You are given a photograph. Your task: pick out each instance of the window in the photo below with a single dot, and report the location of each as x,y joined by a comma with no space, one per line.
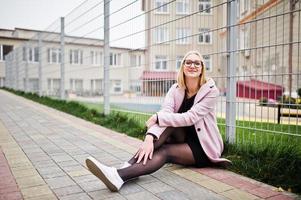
182,7
117,86
96,58
135,60
54,55
161,6
115,59
204,6
208,63
244,41
24,54
135,86
182,36
30,54
205,37
4,50
33,54
76,56
178,61
161,63
160,34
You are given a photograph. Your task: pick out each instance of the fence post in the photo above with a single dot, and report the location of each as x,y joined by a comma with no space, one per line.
6,82
40,64
17,69
106,57
231,66
26,67
62,88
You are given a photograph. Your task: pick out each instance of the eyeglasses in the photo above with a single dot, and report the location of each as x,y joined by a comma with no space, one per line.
197,64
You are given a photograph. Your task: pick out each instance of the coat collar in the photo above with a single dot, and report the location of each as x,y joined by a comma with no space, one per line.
200,94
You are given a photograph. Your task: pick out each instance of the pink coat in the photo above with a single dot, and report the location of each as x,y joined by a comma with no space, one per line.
201,115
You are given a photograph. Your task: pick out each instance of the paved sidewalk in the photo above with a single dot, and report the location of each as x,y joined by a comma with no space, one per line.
42,153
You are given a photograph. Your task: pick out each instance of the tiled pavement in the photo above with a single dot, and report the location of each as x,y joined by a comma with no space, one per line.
42,153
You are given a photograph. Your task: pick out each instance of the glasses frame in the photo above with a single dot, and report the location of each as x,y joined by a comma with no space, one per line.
194,63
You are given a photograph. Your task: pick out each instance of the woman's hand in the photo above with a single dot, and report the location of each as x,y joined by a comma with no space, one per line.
151,121
146,150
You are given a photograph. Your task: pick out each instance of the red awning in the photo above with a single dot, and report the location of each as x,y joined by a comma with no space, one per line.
152,75
260,85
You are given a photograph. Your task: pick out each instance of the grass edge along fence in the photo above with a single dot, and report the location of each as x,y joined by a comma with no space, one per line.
277,164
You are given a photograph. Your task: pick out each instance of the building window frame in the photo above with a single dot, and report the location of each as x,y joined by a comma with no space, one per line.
117,87
204,7
161,9
54,56
208,62
33,54
182,36
115,59
161,35
96,58
2,51
178,61
204,35
160,63
76,56
184,4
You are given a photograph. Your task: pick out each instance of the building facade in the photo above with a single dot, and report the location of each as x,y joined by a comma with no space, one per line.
84,62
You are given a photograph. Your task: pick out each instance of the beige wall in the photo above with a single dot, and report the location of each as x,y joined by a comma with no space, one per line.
85,72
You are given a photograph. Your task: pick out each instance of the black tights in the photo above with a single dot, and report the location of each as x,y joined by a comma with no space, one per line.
170,148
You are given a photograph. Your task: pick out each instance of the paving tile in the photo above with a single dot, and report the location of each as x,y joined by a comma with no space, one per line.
9,189
91,186
11,196
130,187
36,191
281,197
64,191
59,182
238,194
141,196
79,196
263,192
43,197
85,178
25,182
172,195
104,194
215,185
156,187
24,173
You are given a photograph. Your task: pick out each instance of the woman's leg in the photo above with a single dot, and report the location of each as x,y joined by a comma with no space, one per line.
171,135
167,153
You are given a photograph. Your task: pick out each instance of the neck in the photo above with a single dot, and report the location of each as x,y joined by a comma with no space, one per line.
192,85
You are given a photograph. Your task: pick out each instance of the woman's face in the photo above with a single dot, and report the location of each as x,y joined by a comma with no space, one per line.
192,66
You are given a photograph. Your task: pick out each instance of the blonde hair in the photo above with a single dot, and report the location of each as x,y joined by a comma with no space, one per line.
181,76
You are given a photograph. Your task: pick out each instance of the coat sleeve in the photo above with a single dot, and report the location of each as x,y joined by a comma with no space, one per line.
196,113
168,106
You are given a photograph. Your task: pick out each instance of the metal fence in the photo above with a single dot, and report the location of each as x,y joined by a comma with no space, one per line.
126,54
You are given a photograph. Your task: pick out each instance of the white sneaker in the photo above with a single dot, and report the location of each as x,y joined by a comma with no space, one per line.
108,175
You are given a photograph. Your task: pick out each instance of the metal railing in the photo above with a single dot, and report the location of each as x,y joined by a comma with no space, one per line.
125,59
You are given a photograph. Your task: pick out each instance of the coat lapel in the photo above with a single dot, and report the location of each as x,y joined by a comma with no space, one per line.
179,97
204,90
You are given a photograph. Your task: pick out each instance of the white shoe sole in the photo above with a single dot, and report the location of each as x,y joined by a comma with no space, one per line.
92,166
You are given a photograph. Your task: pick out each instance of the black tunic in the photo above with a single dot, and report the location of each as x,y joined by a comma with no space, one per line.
191,137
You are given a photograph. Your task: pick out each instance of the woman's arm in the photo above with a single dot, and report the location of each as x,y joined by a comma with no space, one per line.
197,112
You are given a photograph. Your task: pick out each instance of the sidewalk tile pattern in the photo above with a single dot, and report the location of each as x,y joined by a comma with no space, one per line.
46,151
